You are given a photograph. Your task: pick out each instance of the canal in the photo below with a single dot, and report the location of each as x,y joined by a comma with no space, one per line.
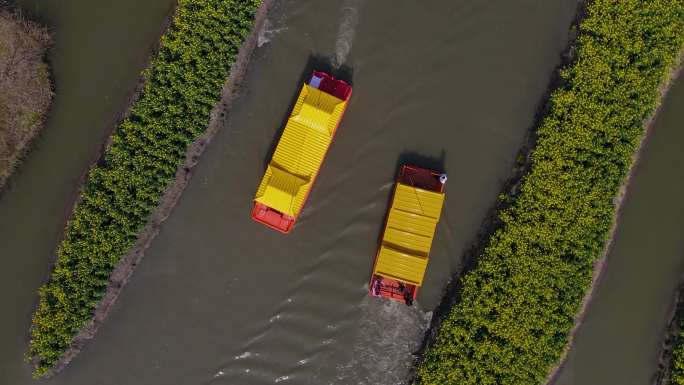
219,299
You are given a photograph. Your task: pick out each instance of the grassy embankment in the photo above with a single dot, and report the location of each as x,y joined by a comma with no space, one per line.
671,368
182,85
25,88
676,370
518,305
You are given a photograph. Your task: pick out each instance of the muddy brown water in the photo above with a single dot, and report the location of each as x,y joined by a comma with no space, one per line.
619,341
219,299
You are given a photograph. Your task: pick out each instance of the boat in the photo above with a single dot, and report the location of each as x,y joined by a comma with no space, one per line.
412,218
300,152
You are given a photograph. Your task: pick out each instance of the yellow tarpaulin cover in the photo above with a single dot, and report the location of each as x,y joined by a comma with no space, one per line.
300,151
408,235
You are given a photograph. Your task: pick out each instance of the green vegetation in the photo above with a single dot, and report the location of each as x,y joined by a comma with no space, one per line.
677,363
25,89
183,84
673,355
518,305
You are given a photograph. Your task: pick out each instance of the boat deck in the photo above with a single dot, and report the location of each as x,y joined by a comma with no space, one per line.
408,234
300,151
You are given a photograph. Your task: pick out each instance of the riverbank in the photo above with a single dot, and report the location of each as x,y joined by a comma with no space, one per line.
119,267
518,307
600,263
130,260
509,190
25,84
89,330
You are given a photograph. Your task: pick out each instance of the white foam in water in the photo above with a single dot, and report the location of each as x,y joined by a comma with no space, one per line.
243,356
386,186
267,32
389,333
346,30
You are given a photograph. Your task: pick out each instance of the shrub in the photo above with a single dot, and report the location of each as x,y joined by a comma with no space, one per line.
183,84
675,370
518,305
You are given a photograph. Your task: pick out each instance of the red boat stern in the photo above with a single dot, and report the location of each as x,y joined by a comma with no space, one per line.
389,288
272,218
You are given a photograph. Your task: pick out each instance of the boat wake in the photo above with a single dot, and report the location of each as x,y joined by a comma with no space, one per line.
390,332
267,32
346,31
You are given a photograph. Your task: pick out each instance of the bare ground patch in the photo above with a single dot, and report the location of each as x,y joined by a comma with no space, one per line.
25,87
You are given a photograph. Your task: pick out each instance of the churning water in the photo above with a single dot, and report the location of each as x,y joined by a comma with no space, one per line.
346,30
389,334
